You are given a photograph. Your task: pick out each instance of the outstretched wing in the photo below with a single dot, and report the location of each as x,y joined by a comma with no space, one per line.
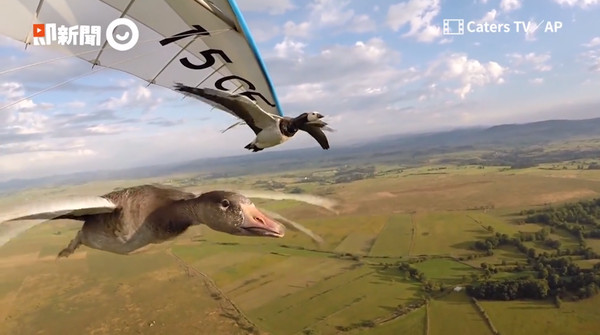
294,226
239,123
40,212
317,134
48,210
10,230
315,200
235,104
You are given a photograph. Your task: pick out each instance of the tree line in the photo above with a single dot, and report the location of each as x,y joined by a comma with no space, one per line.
556,275
580,219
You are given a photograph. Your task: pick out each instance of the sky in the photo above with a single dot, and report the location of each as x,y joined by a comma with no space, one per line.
372,67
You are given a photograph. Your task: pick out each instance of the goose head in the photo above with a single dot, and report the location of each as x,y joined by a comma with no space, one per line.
307,118
235,214
313,116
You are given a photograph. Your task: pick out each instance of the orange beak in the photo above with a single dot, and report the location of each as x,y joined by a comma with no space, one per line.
257,223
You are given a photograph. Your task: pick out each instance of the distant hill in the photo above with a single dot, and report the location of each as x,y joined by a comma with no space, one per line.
399,149
513,135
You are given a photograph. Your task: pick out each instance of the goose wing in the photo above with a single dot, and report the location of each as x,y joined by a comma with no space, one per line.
294,226
318,134
239,123
40,212
235,104
48,210
321,124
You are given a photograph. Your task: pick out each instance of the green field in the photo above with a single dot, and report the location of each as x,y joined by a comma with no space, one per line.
209,282
531,317
395,239
445,270
456,314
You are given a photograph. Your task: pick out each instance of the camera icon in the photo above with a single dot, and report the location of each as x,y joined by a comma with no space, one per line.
453,27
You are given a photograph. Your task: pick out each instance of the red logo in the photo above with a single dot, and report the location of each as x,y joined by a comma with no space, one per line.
39,30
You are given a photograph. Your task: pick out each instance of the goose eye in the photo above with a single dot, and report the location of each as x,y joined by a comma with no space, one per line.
224,203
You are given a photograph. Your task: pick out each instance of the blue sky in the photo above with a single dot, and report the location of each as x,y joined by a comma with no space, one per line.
372,67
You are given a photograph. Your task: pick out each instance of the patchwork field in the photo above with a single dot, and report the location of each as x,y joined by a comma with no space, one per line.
209,282
456,314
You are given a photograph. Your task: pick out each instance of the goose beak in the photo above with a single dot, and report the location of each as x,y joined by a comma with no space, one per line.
257,223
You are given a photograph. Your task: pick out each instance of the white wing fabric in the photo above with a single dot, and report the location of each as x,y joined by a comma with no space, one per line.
199,43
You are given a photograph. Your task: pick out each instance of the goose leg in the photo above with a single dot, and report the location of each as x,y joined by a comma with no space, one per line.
253,147
74,244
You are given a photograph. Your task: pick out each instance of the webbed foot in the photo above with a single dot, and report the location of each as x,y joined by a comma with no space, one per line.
253,147
66,252
74,244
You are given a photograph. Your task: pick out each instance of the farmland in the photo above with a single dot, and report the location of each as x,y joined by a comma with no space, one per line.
205,281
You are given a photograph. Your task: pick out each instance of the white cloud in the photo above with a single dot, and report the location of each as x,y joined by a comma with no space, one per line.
75,104
539,62
594,42
271,6
23,118
11,91
418,14
362,24
329,14
136,97
102,129
289,48
469,72
374,50
304,92
345,78
578,3
27,123
33,146
292,29
536,81
532,28
263,31
489,17
510,5
41,162
592,58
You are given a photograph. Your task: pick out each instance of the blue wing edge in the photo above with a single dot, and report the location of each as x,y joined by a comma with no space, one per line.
246,32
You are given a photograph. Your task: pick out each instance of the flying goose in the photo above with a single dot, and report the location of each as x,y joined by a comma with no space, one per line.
128,219
270,129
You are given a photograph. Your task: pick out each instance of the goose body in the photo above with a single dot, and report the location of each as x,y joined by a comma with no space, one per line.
269,137
126,220
270,129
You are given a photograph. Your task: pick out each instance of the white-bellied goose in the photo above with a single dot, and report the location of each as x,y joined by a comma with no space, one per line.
270,129
129,219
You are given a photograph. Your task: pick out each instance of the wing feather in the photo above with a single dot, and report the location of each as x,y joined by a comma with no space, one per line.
234,104
48,210
10,230
316,132
294,225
